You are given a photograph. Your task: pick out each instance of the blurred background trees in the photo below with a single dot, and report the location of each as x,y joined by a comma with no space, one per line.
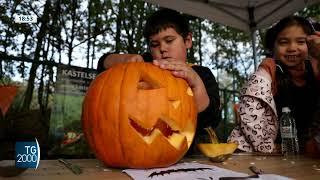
78,32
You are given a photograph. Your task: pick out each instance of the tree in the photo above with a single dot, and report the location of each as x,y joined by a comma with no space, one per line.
93,27
44,21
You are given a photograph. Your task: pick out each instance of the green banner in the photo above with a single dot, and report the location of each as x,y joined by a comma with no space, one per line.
65,123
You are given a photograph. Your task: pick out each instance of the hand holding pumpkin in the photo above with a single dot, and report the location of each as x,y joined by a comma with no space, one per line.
113,59
314,45
183,70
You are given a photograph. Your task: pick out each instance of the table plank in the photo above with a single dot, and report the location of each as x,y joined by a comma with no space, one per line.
301,168
53,170
298,168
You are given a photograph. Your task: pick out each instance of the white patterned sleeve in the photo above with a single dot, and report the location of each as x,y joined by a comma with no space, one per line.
258,126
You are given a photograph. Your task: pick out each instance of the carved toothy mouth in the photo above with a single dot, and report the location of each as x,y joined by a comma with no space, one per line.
173,135
162,126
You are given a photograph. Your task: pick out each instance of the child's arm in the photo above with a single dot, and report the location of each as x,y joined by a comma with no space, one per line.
314,51
112,59
314,45
211,116
182,70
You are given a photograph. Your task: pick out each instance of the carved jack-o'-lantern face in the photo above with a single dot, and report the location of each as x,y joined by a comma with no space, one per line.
140,116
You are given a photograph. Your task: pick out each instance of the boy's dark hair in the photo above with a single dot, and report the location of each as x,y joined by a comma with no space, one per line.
273,32
163,19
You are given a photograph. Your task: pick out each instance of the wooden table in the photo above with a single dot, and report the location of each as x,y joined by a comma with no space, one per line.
301,168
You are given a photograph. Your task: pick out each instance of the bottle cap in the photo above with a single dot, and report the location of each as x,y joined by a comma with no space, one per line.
286,109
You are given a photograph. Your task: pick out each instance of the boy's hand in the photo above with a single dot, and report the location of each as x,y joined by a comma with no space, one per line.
182,70
179,69
113,59
314,45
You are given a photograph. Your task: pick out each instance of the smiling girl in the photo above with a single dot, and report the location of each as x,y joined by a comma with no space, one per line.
290,78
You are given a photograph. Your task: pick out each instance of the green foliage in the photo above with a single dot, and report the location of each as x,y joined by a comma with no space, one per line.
4,81
312,11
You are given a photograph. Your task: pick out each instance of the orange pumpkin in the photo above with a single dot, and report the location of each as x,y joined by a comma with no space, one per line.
137,115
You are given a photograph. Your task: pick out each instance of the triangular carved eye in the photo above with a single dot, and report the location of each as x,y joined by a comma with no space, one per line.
189,91
147,83
175,103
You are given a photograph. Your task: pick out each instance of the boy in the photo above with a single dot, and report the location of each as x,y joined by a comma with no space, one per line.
169,38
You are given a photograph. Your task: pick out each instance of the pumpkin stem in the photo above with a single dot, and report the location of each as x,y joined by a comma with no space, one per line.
212,135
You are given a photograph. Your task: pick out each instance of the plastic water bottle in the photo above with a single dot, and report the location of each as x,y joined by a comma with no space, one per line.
289,145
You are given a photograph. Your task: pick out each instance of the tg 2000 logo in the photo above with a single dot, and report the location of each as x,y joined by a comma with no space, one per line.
27,154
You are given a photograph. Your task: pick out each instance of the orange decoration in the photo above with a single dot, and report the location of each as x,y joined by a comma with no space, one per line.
137,115
7,94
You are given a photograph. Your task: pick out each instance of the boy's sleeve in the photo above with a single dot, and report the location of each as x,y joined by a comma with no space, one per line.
211,115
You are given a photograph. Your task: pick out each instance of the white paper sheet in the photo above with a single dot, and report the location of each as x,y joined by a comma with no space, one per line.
194,171
182,171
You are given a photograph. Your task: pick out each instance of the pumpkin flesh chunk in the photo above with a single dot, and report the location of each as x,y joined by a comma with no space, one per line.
214,150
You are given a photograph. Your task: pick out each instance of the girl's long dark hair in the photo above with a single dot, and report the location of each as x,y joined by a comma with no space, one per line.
284,84
283,77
